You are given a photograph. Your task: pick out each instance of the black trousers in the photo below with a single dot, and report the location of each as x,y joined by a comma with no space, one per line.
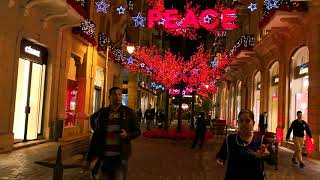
199,136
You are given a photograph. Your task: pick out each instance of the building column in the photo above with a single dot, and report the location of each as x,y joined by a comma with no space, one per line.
283,95
132,91
313,42
9,60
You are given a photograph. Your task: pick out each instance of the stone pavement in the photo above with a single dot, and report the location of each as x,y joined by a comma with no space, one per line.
154,159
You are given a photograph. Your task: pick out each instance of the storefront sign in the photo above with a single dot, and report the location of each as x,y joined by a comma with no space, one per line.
208,19
301,71
30,50
275,80
33,52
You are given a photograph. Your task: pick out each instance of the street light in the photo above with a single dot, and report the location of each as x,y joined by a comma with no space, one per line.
130,49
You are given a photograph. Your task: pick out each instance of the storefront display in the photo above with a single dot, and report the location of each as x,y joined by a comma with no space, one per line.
71,103
29,92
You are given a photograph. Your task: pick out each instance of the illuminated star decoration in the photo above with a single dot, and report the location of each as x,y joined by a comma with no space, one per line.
179,23
148,70
214,63
120,10
161,22
139,20
102,6
142,65
270,4
207,19
130,60
252,7
153,84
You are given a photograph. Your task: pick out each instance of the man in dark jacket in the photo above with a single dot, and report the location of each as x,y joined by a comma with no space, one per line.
149,115
114,127
298,126
263,122
200,131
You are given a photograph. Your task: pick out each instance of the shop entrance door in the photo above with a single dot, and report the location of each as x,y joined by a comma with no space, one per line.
29,100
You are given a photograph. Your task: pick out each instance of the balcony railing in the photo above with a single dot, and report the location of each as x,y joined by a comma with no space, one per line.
244,44
275,10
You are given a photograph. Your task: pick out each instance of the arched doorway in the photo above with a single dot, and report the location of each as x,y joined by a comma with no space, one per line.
273,97
256,98
299,82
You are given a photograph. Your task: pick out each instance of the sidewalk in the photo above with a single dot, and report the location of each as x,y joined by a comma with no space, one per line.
155,159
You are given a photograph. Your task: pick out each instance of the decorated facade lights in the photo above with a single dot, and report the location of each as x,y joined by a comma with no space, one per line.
245,42
86,30
156,86
271,6
103,41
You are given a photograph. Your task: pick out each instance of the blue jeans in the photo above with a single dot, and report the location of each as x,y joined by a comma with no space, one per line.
113,168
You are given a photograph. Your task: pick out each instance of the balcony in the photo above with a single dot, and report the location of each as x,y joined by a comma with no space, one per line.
283,14
65,13
243,47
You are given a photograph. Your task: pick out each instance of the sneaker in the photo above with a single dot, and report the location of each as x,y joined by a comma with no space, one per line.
301,165
294,161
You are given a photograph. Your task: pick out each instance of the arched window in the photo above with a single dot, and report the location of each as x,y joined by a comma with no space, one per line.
256,98
299,82
273,97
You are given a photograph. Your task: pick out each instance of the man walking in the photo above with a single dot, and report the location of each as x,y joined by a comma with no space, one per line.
298,126
201,129
263,122
149,115
114,127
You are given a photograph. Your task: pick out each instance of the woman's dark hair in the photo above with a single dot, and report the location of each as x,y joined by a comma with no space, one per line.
244,111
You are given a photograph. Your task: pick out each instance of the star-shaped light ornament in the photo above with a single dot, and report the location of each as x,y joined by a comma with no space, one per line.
161,22
207,19
179,23
252,7
148,70
139,20
271,4
130,60
102,6
121,10
153,84
142,65
214,63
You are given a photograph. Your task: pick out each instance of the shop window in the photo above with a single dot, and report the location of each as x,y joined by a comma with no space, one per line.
299,82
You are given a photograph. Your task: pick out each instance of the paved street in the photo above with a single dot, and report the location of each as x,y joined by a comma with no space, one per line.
154,159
